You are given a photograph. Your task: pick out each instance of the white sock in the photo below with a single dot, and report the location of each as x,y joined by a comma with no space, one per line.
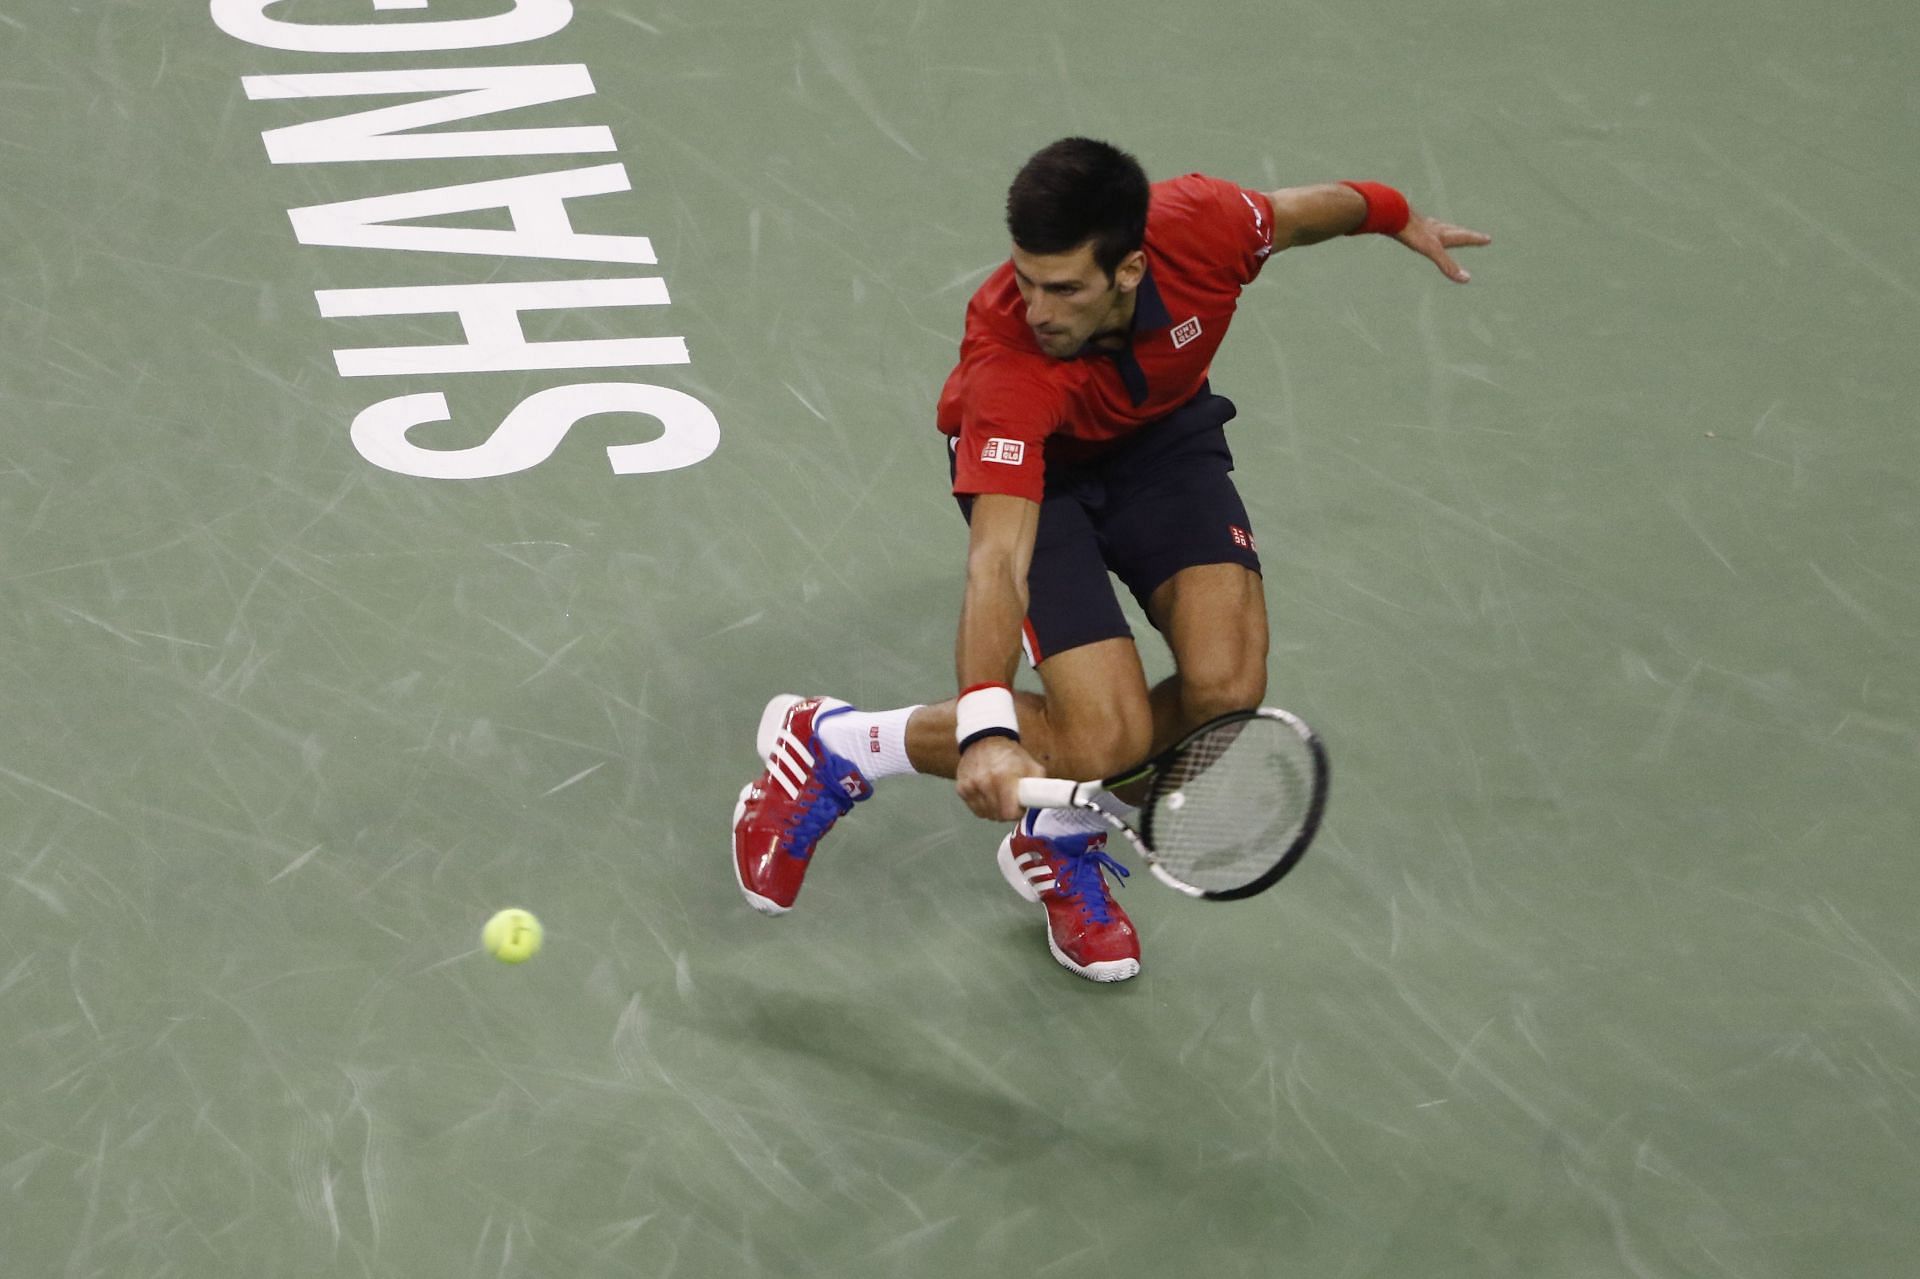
1049,822
874,741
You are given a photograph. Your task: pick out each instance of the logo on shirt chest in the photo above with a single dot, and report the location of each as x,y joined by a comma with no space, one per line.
1005,452
1186,332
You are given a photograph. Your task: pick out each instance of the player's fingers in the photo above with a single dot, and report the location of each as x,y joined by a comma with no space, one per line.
991,800
1455,237
1007,795
984,806
1448,267
991,810
977,798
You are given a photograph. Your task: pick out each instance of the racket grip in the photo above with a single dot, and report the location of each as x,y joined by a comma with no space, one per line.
1047,792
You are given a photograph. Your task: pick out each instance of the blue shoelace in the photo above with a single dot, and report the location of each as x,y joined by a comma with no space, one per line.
830,802
1082,879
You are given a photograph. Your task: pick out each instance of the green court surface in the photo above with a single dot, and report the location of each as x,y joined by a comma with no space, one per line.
1599,576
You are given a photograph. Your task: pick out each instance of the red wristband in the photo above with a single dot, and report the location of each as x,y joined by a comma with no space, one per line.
974,688
1387,211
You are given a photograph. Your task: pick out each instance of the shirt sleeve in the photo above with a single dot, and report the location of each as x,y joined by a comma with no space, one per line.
1007,410
1234,223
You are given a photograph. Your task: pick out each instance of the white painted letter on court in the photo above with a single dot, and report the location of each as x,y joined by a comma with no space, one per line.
536,202
533,430
490,316
527,20
462,94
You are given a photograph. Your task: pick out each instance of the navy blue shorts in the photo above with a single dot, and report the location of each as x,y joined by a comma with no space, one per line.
1161,501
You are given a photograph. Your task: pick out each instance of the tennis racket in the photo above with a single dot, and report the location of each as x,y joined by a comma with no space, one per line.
1228,809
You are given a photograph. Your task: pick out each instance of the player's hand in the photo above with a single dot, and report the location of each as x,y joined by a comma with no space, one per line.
989,776
1431,238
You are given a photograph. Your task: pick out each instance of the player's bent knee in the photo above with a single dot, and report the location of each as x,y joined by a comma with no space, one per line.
1103,746
1208,694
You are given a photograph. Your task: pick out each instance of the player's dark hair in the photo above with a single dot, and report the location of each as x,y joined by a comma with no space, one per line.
1077,190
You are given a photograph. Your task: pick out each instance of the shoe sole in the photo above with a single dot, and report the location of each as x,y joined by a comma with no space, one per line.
1106,970
771,718
765,905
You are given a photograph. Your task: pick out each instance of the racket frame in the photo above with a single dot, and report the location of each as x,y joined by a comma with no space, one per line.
1098,797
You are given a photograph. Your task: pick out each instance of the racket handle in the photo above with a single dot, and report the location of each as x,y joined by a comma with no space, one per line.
1048,792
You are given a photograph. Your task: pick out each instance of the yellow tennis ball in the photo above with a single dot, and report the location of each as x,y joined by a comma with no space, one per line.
512,936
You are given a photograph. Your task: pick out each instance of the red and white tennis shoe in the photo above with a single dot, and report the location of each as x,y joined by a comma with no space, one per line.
1086,929
783,813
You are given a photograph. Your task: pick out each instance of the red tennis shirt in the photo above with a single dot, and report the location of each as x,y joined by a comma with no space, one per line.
1013,407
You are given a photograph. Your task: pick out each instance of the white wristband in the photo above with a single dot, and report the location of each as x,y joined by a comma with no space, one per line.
986,711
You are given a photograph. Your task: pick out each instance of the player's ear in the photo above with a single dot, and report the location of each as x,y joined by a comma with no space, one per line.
1132,269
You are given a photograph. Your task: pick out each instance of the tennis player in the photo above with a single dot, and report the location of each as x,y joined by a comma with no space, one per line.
1084,440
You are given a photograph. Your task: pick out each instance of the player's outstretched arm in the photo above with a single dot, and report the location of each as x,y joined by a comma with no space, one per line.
1308,215
987,650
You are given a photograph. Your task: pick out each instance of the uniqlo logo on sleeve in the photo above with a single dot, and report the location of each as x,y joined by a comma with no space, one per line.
1242,538
1005,452
1186,332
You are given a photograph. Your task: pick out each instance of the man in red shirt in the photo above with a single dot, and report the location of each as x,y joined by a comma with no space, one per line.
1085,440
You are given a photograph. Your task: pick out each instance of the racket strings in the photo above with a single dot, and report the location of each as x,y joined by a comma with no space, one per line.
1236,799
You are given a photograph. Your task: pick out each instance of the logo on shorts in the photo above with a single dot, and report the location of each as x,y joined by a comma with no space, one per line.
1242,538
1187,332
1005,452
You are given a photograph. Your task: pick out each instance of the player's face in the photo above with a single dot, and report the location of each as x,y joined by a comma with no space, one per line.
1070,299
